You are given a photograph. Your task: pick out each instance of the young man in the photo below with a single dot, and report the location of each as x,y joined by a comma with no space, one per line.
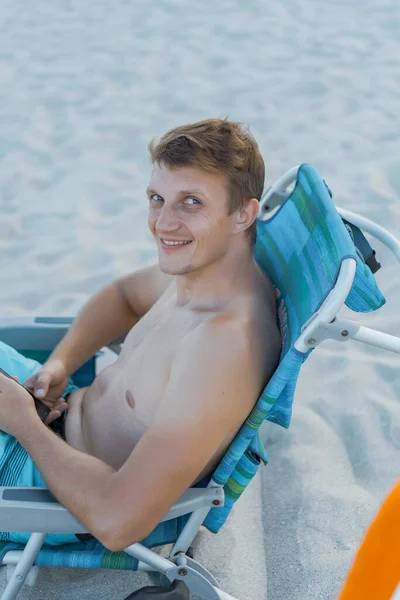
202,344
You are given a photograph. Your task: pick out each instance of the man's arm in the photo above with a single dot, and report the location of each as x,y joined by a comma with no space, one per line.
142,288
109,314
211,390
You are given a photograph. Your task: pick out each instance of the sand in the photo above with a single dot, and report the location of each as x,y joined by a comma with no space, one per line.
84,87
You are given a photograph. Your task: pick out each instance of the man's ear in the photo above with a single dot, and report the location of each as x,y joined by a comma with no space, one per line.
247,215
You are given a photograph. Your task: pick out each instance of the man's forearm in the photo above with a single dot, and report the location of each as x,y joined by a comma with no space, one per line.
80,482
105,317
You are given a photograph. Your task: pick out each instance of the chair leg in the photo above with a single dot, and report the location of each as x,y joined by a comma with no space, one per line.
22,569
195,577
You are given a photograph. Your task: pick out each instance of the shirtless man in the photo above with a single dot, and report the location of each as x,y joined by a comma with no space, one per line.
202,344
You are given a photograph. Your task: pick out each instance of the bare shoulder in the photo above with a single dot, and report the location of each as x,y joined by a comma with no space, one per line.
222,337
215,376
143,287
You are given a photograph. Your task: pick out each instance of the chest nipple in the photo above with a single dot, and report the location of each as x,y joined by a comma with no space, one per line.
130,399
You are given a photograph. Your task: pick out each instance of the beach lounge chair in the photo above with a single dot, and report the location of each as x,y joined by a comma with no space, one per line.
309,253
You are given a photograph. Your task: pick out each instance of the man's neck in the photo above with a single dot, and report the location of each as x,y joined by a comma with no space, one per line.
217,284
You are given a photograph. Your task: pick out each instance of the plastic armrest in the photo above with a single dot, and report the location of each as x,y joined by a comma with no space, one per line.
36,509
39,333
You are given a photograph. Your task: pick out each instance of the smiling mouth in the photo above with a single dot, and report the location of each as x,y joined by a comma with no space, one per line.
174,244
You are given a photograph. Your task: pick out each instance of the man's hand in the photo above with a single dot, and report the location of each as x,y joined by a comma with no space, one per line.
48,384
17,408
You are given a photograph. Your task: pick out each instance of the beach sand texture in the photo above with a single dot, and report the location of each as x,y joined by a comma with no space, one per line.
84,87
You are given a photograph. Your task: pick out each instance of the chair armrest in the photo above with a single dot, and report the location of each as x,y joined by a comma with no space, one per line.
36,510
33,333
39,333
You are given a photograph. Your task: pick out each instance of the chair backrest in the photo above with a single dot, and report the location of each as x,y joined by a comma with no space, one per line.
301,248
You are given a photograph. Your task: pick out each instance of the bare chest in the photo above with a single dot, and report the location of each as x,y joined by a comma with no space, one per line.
122,401
149,351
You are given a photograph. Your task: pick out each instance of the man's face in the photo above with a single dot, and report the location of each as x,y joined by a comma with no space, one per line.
188,217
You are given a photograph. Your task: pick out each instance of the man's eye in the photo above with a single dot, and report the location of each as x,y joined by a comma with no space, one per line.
156,198
192,200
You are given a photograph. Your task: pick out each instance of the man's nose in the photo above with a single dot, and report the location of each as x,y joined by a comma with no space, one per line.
167,220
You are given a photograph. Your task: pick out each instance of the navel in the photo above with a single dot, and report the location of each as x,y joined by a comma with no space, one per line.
130,399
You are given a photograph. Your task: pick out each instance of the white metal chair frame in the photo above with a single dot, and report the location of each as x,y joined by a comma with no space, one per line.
47,516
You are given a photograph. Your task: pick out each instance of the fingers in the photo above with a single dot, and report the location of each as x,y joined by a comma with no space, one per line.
15,377
52,416
34,384
61,407
56,412
42,385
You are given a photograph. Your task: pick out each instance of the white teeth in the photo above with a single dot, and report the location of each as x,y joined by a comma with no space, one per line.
175,243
